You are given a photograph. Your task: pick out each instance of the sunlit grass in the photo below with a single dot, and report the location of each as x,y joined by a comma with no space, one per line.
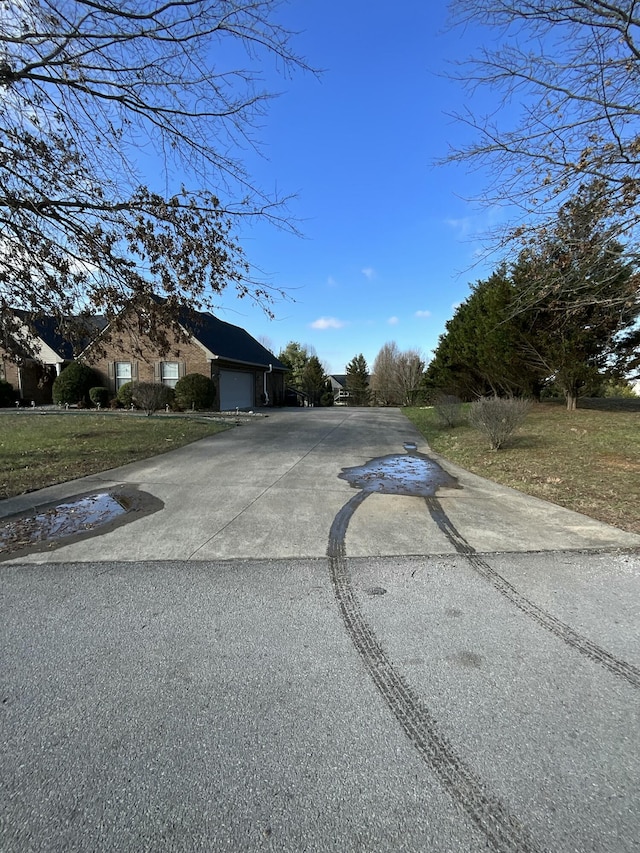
587,460
41,449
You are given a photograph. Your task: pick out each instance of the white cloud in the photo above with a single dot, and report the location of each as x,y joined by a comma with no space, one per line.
368,272
476,223
331,282
423,313
393,321
328,323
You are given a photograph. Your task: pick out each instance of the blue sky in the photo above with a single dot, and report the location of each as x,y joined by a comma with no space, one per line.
390,239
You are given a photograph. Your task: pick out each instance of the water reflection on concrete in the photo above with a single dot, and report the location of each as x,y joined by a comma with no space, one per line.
63,520
400,474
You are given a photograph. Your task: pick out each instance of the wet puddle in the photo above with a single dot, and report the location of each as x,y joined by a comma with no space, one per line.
408,473
81,516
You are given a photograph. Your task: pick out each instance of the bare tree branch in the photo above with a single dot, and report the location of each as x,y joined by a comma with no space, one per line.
568,72
93,91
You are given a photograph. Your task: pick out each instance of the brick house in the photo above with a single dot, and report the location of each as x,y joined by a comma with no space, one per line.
36,357
245,373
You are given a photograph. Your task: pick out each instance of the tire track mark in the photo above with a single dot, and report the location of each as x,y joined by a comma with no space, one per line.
564,632
504,833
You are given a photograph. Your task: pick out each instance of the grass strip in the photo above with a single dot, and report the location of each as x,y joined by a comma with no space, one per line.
587,460
40,449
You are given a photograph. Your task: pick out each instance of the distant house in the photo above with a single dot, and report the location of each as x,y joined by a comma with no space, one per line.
339,388
245,373
36,357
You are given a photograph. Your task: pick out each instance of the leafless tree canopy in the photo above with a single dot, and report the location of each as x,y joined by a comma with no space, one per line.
569,73
94,97
397,375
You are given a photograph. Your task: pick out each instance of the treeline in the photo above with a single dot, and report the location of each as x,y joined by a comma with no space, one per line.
562,318
397,378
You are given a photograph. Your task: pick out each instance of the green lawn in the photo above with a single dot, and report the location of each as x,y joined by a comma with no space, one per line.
40,449
587,460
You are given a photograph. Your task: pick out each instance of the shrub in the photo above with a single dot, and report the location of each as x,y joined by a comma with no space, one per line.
99,396
152,396
619,388
195,391
73,384
498,417
448,409
7,394
125,395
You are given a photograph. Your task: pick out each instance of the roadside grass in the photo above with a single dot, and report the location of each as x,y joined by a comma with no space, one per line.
41,449
587,460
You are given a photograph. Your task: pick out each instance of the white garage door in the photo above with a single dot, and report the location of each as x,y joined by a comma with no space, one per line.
236,390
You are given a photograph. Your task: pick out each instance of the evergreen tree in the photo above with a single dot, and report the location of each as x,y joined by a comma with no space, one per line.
575,343
358,381
313,379
295,357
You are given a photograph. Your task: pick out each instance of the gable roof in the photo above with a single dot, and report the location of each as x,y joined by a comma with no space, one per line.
224,340
46,331
339,379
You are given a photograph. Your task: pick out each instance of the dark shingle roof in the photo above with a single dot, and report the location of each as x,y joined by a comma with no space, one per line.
47,329
228,341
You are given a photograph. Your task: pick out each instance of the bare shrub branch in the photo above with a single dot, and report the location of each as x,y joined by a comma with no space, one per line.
498,418
151,396
448,409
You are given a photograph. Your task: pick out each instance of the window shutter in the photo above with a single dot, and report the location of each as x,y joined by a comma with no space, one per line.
134,371
157,371
111,375
182,369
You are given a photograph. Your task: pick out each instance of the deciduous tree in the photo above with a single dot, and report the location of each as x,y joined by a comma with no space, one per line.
567,75
119,128
397,376
384,380
410,370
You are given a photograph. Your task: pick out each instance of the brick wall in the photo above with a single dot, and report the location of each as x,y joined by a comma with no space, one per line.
31,381
144,358
146,361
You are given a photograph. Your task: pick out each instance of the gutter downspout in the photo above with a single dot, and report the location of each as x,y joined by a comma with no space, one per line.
266,396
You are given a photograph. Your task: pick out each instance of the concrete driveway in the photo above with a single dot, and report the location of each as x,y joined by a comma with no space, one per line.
276,657
271,488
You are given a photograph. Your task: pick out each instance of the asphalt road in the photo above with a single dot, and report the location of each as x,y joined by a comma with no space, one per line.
401,684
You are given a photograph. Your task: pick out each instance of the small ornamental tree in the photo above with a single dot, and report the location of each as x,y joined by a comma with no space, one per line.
195,391
73,384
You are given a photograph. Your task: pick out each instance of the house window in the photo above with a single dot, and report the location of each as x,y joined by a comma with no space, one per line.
170,373
123,373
